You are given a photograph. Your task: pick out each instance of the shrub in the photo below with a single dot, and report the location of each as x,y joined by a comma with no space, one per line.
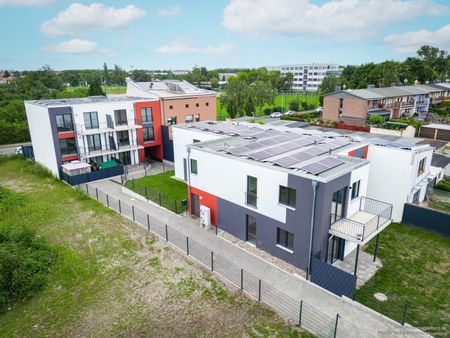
304,105
267,111
294,105
277,108
443,185
376,120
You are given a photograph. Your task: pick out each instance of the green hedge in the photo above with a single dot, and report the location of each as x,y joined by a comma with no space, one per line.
443,185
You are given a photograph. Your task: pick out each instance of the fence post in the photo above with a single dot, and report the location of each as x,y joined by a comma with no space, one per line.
132,210
167,234
159,199
107,200
148,222
404,313
300,314
187,245
120,208
259,290
96,193
216,230
87,189
242,279
336,325
212,260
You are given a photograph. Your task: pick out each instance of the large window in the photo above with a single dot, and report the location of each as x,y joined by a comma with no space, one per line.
68,146
288,196
285,239
94,142
421,168
148,134
121,117
91,120
194,168
197,117
355,189
251,230
123,138
252,191
64,123
146,115
189,118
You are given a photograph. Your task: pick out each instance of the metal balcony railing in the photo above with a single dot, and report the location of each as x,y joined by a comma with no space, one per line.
372,217
108,126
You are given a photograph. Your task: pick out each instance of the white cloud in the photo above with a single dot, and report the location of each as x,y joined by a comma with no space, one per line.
170,11
185,46
410,42
95,17
77,46
35,3
342,19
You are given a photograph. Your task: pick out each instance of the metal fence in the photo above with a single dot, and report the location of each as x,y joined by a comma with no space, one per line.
297,311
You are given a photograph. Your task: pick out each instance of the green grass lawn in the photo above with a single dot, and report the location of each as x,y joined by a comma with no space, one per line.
280,101
416,270
161,189
112,278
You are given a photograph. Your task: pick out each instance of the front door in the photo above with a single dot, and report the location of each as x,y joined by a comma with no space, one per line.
125,158
336,247
195,205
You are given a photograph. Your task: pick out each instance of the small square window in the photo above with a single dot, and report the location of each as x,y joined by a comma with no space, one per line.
287,196
285,239
187,106
170,107
207,104
197,104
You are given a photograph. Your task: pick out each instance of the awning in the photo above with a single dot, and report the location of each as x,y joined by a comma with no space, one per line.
108,164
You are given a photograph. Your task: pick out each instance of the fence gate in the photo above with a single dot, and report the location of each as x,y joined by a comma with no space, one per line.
333,279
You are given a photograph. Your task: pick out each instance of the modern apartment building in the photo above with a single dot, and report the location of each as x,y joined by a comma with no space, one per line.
356,106
181,103
308,76
287,193
94,130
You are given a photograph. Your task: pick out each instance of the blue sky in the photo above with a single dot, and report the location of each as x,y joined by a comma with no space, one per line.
221,33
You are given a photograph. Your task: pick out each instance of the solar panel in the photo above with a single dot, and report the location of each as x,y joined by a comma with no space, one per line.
260,155
316,151
325,164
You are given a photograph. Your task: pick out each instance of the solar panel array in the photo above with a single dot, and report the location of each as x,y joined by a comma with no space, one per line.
270,144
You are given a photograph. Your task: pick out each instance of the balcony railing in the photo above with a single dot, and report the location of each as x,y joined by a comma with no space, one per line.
371,218
108,127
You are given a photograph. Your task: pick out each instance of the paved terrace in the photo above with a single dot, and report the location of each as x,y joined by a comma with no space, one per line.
293,286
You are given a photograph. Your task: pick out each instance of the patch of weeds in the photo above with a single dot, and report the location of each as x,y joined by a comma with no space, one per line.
216,290
186,287
155,262
10,201
179,269
267,329
81,195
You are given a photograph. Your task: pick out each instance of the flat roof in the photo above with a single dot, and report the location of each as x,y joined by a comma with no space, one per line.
86,100
170,88
440,161
437,126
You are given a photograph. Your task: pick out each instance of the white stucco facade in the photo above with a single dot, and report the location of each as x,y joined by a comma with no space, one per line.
42,137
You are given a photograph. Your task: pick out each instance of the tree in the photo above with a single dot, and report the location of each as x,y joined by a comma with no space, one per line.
376,120
105,74
437,59
95,89
263,93
329,85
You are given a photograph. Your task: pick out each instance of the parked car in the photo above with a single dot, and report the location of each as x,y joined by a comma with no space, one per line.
318,110
276,114
19,151
290,112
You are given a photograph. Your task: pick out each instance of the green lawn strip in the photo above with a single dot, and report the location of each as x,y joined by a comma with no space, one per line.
171,191
112,278
416,271
280,101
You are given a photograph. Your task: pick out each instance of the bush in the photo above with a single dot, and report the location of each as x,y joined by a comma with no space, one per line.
443,185
25,259
267,111
304,105
277,108
294,105
376,120
446,103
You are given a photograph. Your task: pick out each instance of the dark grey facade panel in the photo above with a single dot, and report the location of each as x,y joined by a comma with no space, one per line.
52,112
232,219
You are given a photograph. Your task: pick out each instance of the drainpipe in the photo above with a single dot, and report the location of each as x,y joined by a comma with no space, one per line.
188,168
313,211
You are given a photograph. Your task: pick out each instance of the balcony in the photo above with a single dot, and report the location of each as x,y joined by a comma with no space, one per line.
106,127
372,217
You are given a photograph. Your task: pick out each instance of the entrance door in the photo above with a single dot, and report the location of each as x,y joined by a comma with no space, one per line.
195,205
337,205
336,247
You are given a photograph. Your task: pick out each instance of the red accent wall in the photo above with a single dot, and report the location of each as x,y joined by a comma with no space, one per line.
207,200
156,145
64,135
366,151
69,158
